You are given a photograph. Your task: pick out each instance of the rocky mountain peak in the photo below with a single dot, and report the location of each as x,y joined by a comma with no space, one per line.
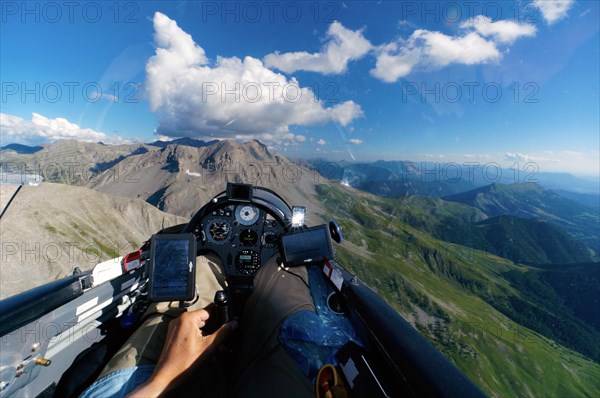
228,151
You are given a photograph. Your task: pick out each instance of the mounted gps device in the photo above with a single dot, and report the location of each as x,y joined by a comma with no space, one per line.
172,270
306,246
240,192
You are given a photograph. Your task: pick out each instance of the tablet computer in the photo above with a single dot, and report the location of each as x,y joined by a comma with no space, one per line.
172,270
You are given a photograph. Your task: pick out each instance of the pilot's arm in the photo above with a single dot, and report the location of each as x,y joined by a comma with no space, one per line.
185,347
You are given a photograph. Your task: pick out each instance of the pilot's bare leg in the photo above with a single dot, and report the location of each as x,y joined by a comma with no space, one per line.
145,344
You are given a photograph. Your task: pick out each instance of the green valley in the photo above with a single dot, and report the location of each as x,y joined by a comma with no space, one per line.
460,297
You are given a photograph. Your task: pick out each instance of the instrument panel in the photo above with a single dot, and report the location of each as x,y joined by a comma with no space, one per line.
243,235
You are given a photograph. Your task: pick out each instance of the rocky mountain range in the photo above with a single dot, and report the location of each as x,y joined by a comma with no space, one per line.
67,161
52,228
401,178
445,258
179,179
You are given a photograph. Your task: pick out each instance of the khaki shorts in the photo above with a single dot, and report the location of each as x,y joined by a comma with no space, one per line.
263,368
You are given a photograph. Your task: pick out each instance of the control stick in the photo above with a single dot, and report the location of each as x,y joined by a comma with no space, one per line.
222,307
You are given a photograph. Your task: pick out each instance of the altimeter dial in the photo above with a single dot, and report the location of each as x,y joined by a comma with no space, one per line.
218,231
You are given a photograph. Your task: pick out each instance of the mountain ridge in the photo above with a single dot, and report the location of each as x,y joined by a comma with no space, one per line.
70,161
402,177
529,200
180,179
51,228
524,240
22,149
185,141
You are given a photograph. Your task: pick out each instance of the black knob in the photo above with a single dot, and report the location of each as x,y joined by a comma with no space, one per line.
336,232
222,307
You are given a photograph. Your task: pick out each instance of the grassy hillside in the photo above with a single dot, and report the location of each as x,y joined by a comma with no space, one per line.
530,200
574,289
450,293
544,305
530,241
521,240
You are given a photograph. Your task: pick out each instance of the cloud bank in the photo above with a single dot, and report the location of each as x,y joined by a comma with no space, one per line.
424,49
41,129
230,98
431,50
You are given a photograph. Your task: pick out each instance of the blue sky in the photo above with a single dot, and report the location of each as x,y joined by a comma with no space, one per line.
497,82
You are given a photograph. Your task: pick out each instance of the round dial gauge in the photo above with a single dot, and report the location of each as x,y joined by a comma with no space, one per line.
248,237
269,239
218,231
246,215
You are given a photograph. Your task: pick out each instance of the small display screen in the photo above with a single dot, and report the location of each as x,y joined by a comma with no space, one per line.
245,257
172,268
242,192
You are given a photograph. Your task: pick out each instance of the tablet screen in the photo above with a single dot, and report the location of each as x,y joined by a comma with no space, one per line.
172,267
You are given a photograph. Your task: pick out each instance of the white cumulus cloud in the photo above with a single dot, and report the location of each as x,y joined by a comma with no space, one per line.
434,50
553,10
321,141
343,45
41,129
477,43
355,141
500,31
521,157
196,98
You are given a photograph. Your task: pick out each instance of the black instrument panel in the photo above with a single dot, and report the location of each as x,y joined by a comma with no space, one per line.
243,235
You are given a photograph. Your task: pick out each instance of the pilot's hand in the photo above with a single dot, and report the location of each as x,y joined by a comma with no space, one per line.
185,346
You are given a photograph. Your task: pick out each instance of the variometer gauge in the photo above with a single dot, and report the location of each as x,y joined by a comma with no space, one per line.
246,215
